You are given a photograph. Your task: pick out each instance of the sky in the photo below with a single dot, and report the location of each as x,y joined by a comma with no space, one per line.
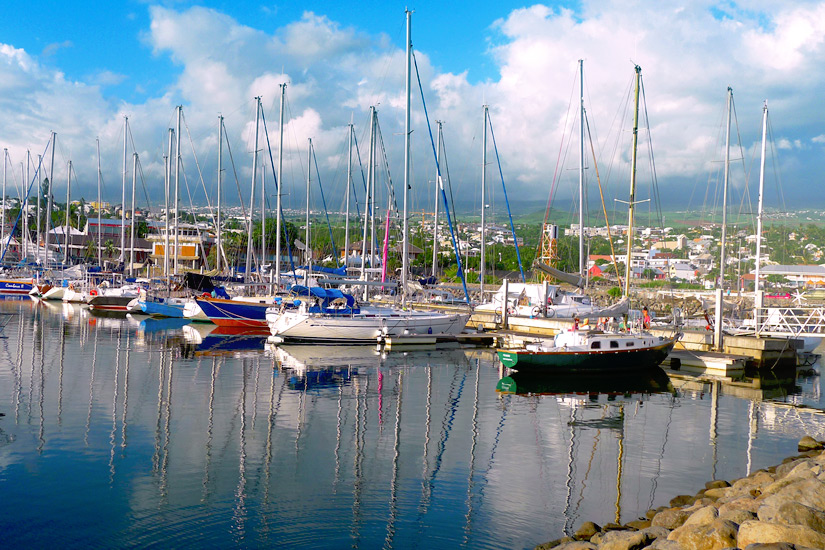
78,68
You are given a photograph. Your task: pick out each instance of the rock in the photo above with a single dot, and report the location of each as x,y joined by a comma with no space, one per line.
638,524
794,513
716,494
756,481
665,545
783,469
574,545
553,543
776,546
624,540
713,536
654,533
670,518
808,443
703,516
764,532
613,527
737,516
681,500
747,503
810,492
717,484
586,531
650,514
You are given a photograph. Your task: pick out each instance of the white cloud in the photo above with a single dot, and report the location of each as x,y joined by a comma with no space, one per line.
689,55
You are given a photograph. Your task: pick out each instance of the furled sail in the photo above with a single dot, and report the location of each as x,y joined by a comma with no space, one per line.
570,278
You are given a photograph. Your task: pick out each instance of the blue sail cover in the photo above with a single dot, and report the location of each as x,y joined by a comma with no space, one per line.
327,296
341,271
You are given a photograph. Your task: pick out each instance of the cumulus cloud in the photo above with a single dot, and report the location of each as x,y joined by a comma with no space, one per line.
51,49
689,55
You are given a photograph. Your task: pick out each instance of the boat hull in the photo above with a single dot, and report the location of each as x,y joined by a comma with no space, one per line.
110,303
162,308
234,313
16,286
620,360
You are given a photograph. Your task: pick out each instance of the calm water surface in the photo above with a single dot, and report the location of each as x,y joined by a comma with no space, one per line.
122,432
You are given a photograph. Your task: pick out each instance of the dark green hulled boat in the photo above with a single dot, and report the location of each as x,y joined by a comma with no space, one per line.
590,351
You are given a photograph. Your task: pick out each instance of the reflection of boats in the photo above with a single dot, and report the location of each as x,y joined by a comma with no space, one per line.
653,381
321,378
194,333
166,323
590,351
226,340
302,357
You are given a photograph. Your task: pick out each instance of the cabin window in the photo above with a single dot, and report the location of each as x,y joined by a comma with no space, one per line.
614,344
630,344
596,345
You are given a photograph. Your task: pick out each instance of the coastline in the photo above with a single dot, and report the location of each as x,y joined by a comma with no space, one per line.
777,508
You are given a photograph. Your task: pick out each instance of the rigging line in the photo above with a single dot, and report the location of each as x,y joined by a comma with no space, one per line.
506,201
443,194
651,159
200,173
20,212
559,156
778,180
324,201
246,219
604,208
745,193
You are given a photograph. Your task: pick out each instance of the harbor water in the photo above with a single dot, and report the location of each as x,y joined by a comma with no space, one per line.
128,431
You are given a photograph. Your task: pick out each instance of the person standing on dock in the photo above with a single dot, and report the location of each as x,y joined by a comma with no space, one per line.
646,319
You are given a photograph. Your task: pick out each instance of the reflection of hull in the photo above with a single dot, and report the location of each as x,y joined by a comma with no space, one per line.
301,357
168,323
234,313
16,286
653,381
561,360
323,378
194,333
223,340
367,326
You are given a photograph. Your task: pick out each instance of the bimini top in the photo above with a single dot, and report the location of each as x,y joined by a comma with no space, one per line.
330,300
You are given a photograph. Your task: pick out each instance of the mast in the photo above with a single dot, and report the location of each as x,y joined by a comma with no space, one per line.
66,232
263,221
582,262
168,174
252,192
132,231
722,259
99,208
38,210
405,262
220,194
349,184
483,198
632,183
309,179
278,185
123,189
368,203
177,188
48,202
27,181
757,301
435,211
3,217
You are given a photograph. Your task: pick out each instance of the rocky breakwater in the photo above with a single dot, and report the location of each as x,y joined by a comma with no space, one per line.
777,508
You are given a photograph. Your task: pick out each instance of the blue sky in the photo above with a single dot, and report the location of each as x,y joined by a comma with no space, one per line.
78,68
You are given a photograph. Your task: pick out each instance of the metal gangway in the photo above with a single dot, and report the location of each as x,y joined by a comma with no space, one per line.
791,321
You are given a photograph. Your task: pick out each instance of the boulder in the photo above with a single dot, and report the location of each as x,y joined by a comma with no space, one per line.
783,469
574,545
716,535
717,484
670,518
747,503
638,524
553,543
764,532
655,533
810,492
737,516
756,481
794,513
716,494
586,531
703,516
681,500
624,540
664,544
808,443
776,546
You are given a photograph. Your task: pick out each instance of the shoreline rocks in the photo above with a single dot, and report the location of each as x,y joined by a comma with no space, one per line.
776,508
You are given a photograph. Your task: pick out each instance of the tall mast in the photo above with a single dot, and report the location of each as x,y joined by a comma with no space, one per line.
368,203
39,209
631,205
3,217
99,208
722,257
27,182
66,232
306,238
220,194
349,184
483,198
435,211
263,219
49,200
252,192
582,261
168,166
123,198
132,230
279,184
405,262
373,192
177,187
757,294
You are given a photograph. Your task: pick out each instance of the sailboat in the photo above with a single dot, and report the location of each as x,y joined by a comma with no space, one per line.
581,350
332,316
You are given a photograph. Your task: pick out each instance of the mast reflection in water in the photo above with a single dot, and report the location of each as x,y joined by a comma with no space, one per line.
120,432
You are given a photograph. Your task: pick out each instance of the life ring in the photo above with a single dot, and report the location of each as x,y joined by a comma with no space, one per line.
71,286
92,292
206,295
535,311
550,313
